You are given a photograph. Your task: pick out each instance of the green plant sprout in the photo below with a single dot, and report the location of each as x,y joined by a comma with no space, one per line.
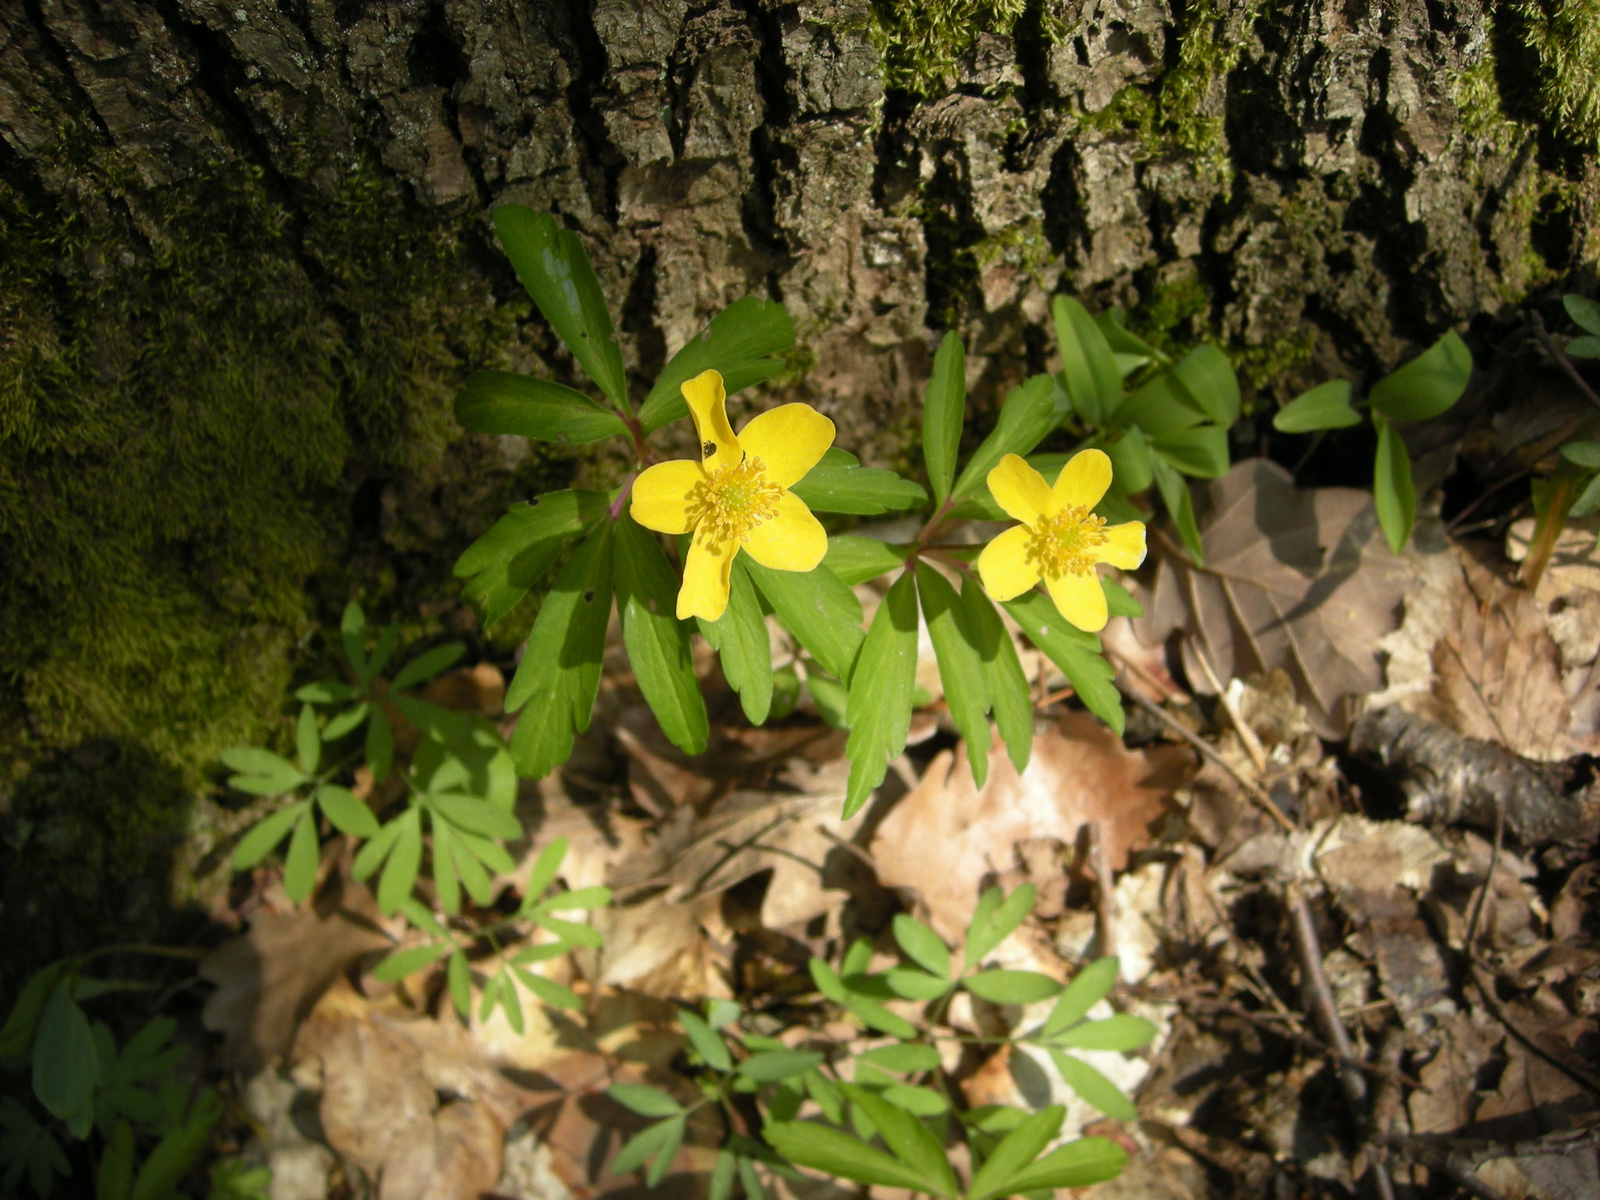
899,1091
1418,390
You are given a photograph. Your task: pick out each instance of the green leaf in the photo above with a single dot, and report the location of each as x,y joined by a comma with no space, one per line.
917,1100
830,697
16,1038
549,991
1180,506
388,639
1392,491
856,559
576,901
426,665
1032,410
1161,405
507,562
559,676
65,1063
300,864
817,607
1094,1087
553,266
966,683
1208,377
506,403
345,812
114,1177
1427,385
722,1175
1584,347
308,740
1119,600
407,962
657,642
904,1058
738,344
645,1100
1088,987
545,869
570,931
647,1144
353,636
1583,312
878,710
176,1153
447,883
1011,987
911,983
994,919
475,816
772,1066
342,723
1588,500
1077,1164
458,978
1201,450
706,1041
1326,406
275,775
371,855
828,981
943,409
379,744
1077,654
907,1138
740,639
1118,1032
921,945
1093,381
264,835
1130,461
404,859
844,487
326,691
1005,684
876,1016
1582,454
1015,1152
838,1153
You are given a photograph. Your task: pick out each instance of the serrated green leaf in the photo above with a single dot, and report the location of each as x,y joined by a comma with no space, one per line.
506,403
943,410
837,1153
741,641
643,1099
559,676
426,665
878,710
994,919
1031,410
1093,1087
1200,450
408,962
1121,1031
252,762
1005,684
300,864
706,1041
1392,492
657,642
817,607
1075,1165
966,683
264,835
1011,987
345,812
1015,1151
553,266
738,344
403,861
1427,385
508,561
1093,381
1326,406
921,945
863,491
855,559
1088,987
1076,653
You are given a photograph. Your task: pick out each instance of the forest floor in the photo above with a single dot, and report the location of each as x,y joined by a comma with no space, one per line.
1362,905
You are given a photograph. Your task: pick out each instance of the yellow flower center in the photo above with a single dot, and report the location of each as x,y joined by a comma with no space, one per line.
1064,543
732,502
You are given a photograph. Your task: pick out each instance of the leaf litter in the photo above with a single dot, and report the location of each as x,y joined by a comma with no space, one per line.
1396,977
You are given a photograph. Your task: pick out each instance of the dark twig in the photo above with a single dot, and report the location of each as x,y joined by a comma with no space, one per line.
1561,358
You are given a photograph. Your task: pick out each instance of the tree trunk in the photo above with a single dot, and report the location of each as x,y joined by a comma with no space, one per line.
246,259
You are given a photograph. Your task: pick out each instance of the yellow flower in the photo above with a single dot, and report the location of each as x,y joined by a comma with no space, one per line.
737,496
1060,540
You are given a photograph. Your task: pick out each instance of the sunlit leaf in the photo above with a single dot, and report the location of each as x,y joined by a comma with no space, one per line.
1005,684
1427,385
943,410
1180,507
878,710
1119,1032
741,641
817,607
506,403
426,665
1392,492
1016,1150
996,916
706,1041
1088,366
1076,653
738,344
643,1099
1088,987
511,559
1031,410
265,772
1075,1165
856,559
921,944
1326,406
300,864
1094,1087
1011,987
657,642
264,835
966,683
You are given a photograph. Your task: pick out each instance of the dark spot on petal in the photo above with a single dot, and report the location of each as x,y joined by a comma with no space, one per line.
708,448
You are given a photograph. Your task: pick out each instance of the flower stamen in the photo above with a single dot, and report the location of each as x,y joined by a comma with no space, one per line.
732,502
1064,542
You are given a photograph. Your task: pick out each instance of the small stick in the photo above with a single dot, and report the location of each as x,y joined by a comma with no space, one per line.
1247,736
1105,900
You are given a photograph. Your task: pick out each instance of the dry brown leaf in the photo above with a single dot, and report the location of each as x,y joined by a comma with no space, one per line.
1295,579
947,837
268,978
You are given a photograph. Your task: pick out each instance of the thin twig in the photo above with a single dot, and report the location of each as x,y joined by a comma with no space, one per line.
1561,358
1247,736
1105,902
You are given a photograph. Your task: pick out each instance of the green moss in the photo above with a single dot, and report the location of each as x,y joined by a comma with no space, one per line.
920,40
1023,246
185,413
1565,35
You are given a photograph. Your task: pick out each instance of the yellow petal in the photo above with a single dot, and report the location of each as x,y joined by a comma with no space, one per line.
788,440
1020,490
794,540
1124,547
1083,481
705,579
1079,599
708,405
662,496
1004,567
